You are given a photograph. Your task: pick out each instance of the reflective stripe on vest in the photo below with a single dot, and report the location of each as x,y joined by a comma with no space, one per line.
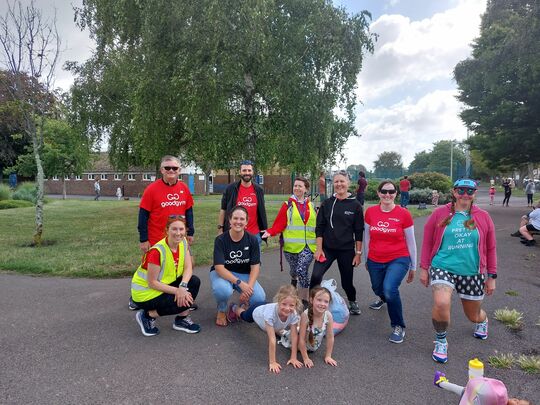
297,234
140,291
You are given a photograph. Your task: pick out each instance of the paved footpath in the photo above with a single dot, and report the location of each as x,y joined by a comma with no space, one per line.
74,341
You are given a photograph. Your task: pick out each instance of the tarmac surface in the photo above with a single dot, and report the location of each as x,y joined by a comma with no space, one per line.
74,341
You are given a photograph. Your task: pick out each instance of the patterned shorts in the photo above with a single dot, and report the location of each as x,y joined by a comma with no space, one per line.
467,287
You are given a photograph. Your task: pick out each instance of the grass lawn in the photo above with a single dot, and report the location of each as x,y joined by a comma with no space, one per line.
99,239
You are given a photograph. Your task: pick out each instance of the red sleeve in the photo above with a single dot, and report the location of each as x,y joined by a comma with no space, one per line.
146,200
491,247
189,197
280,223
152,256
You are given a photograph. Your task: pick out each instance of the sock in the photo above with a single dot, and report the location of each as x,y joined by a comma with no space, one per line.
441,336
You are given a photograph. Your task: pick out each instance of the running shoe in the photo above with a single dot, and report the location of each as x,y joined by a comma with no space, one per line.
131,305
147,323
376,304
397,335
481,330
516,234
353,308
285,340
186,325
440,352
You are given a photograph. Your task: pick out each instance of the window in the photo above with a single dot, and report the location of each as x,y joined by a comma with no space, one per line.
78,178
66,178
55,178
131,177
91,177
147,177
118,177
104,177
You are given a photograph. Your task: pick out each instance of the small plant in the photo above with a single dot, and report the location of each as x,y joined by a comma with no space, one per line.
512,293
26,192
5,192
529,364
510,318
501,360
6,204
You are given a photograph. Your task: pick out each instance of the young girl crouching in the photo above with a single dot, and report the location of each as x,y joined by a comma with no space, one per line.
274,319
315,323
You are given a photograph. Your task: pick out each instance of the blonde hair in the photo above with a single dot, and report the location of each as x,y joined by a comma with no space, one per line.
286,291
312,294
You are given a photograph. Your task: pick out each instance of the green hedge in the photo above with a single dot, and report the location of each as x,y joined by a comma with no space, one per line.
7,204
5,192
26,192
431,180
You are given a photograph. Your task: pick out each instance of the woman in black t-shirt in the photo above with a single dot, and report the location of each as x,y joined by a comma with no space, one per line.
236,265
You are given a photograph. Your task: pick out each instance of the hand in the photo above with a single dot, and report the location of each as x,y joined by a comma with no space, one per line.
295,363
190,240
265,235
244,298
410,276
144,246
490,286
330,361
356,260
308,363
274,367
182,297
246,288
424,277
318,254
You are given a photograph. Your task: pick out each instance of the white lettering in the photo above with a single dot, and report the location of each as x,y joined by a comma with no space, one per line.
172,203
235,254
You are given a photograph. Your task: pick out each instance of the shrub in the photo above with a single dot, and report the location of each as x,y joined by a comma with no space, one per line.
431,180
26,192
6,204
5,192
418,195
371,192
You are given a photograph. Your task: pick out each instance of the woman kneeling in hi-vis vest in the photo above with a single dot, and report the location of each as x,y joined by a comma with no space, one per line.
164,283
296,221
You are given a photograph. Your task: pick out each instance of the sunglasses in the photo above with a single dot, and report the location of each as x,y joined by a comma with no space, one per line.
462,191
177,216
171,168
383,191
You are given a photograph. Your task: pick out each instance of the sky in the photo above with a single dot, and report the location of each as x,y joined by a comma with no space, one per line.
406,92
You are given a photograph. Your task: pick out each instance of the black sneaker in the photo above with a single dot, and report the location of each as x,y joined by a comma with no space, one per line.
147,324
186,325
353,308
530,243
376,304
131,305
516,234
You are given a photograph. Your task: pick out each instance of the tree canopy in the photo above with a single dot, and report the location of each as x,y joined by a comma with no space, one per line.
438,159
388,165
500,84
218,81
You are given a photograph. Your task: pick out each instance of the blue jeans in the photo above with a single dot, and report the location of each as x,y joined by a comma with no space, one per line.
404,201
385,281
223,290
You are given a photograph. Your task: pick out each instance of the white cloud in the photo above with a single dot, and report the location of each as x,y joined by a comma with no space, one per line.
418,51
406,127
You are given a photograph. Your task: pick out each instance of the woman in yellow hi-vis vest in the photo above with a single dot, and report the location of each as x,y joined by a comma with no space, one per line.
164,283
296,221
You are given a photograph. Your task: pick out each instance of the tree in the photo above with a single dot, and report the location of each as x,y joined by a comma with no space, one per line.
438,159
388,165
30,46
420,162
221,81
499,85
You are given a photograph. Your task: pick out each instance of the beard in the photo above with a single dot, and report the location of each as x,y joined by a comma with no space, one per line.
247,178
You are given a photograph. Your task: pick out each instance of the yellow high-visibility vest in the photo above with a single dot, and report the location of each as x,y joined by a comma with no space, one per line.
297,234
140,292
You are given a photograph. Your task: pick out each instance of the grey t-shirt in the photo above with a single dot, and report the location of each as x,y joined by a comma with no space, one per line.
268,314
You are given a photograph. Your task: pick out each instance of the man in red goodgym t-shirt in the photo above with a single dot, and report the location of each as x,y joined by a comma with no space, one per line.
164,197
404,187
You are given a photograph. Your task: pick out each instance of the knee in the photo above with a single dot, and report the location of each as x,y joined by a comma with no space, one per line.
391,294
441,306
194,285
221,290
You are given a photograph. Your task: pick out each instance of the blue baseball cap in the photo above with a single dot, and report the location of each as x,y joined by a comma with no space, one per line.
465,183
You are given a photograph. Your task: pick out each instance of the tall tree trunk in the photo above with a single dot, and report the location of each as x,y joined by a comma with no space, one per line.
40,183
250,116
64,188
207,174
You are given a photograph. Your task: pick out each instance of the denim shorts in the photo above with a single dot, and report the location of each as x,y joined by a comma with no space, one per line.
467,287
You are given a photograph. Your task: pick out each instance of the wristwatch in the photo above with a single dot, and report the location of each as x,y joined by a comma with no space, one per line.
358,252
493,276
237,282
184,285
220,227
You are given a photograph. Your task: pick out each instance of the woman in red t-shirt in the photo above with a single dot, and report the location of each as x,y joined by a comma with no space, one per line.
390,251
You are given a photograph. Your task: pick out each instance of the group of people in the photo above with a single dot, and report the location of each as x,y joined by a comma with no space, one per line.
529,225
458,253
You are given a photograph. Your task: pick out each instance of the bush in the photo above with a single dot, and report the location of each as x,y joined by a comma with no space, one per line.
418,195
371,192
26,192
7,204
431,180
5,192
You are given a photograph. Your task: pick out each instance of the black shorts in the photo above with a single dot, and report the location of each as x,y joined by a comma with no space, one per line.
531,228
467,287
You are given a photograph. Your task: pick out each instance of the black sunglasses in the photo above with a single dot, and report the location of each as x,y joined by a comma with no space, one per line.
383,191
469,191
169,168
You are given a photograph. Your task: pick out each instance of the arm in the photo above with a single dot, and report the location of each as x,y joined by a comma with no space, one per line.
365,243
190,224
427,246
142,226
261,208
183,296
273,365
358,234
302,341
293,361
280,223
411,246
491,256
221,220
330,341
319,231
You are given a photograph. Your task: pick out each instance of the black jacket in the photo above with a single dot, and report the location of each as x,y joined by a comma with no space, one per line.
340,223
228,202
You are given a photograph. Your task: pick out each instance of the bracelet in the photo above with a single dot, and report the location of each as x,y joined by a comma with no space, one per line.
358,252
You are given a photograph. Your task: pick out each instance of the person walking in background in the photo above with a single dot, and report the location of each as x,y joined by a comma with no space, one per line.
118,193
97,190
404,187
491,194
434,198
390,251
339,231
362,186
507,191
322,188
296,221
529,190
458,253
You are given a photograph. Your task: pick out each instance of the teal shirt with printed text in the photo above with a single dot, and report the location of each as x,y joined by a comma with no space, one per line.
458,252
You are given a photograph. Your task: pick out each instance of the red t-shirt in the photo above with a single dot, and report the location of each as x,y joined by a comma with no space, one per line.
162,200
386,236
248,199
404,185
153,256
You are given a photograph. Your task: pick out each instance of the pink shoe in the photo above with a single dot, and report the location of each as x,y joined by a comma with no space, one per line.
231,314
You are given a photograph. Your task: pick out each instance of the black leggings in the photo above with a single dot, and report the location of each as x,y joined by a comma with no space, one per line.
164,303
530,199
506,198
344,259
